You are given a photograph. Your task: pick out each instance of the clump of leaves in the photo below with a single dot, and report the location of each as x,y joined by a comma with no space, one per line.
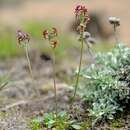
118,123
105,84
61,122
35,124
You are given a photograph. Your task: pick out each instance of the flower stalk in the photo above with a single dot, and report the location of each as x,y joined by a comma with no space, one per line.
115,22
79,69
54,80
51,36
28,60
115,33
23,39
81,14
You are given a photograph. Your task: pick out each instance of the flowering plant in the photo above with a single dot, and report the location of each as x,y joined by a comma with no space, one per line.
51,36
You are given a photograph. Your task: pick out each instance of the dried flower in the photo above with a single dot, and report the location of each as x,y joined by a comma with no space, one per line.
45,34
22,36
54,31
114,21
54,43
51,36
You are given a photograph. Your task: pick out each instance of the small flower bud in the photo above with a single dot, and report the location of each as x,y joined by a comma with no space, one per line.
81,28
80,10
87,19
54,43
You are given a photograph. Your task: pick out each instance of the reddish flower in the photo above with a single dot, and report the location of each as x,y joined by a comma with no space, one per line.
80,10
81,13
84,9
77,10
22,36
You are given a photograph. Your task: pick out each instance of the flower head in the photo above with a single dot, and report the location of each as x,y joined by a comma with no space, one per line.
51,36
91,40
81,13
80,10
22,37
114,21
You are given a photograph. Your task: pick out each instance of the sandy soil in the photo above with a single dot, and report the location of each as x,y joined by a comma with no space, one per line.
19,101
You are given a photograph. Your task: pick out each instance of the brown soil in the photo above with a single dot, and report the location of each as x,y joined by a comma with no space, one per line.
19,100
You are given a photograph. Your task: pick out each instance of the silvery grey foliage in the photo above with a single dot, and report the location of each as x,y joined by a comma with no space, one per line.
105,84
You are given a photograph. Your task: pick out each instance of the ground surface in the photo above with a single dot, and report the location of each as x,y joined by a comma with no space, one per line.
19,100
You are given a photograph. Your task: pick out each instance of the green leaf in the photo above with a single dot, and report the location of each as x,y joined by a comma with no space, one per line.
76,127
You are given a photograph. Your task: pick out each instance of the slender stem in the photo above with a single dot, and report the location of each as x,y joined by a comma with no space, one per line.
30,68
80,64
89,50
54,81
2,86
28,60
115,34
